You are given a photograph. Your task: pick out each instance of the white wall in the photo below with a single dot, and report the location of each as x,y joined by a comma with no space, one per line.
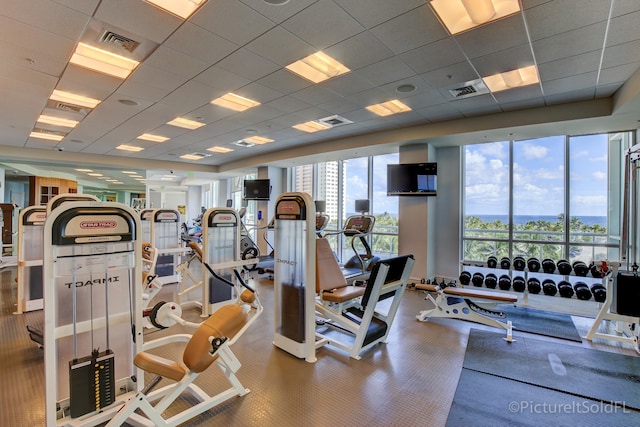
413,217
4,193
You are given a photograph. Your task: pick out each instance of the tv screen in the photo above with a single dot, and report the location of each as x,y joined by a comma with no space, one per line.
412,179
256,189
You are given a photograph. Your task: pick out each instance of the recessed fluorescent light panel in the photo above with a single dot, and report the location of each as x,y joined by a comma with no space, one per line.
181,8
220,149
153,138
462,15
72,98
102,61
84,170
318,67
57,121
191,157
46,135
94,174
258,140
185,123
388,108
512,79
127,172
311,127
235,102
131,148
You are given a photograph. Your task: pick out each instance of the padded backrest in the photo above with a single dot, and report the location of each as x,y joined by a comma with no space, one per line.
394,274
226,322
328,273
196,248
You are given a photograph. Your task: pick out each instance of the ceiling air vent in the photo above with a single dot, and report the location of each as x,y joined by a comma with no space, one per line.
49,132
469,89
118,41
243,143
334,121
68,107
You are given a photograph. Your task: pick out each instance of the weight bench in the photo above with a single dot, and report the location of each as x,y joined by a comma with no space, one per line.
457,303
209,343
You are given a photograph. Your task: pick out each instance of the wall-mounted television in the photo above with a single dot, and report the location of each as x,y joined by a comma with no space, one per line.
256,189
412,179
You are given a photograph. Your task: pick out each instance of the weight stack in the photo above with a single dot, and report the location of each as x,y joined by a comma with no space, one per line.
91,383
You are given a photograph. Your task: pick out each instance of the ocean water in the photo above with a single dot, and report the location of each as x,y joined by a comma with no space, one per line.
523,219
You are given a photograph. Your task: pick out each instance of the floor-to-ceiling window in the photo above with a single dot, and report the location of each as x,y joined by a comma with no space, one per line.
556,197
339,184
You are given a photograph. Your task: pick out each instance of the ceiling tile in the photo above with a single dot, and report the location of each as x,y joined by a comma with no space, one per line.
280,46
621,54
47,16
247,64
176,62
570,84
555,17
570,43
370,13
386,71
359,51
200,43
323,24
434,55
410,30
451,76
624,28
278,13
222,79
223,18
566,67
493,37
619,74
284,81
505,60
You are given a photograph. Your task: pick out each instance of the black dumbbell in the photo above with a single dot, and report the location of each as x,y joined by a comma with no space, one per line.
533,285
580,268
518,284
564,267
505,263
595,270
582,291
548,266
491,281
492,262
549,287
519,263
565,289
599,292
533,265
465,278
477,279
504,282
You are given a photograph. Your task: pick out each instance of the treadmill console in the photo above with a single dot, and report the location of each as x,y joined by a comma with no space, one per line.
358,224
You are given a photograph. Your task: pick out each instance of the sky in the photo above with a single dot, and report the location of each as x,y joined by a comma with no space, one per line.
538,177
356,184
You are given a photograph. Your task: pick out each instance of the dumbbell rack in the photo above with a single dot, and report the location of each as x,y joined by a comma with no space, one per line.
526,274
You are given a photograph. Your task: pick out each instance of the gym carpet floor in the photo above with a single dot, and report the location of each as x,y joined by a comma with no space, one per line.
410,381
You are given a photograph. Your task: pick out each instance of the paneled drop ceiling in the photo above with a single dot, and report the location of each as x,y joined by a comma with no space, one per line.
586,53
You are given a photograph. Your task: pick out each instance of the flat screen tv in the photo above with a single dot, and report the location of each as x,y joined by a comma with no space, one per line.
256,189
412,179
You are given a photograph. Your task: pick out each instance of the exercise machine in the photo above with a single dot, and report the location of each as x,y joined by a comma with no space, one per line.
206,273
211,342
92,311
165,237
358,227
30,249
294,275
464,303
146,216
359,327
248,248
